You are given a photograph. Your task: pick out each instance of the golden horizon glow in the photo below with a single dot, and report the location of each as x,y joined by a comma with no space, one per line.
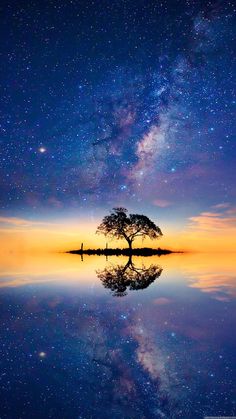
204,272
208,231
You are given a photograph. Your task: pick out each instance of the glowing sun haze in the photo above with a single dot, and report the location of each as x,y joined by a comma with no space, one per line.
214,230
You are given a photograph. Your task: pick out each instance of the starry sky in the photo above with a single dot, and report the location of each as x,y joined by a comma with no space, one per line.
114,103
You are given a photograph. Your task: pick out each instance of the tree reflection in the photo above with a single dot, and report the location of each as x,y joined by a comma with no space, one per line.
121,278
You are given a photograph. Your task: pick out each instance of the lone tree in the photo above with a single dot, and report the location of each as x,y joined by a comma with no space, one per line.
123,226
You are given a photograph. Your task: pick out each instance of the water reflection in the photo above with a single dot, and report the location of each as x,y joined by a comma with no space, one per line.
71,350
121,278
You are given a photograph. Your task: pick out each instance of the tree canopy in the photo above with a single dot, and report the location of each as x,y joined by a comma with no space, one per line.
118,224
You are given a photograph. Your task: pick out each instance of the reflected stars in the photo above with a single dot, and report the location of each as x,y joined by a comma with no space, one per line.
149,355
42,354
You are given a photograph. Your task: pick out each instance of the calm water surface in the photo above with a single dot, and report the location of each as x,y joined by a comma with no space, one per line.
147,338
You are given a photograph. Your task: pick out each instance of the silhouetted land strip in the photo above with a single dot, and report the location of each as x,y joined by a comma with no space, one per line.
144,251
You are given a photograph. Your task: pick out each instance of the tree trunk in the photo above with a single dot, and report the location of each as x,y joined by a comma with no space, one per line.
130,244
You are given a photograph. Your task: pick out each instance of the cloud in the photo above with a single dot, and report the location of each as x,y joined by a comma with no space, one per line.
17,224
221,286
162,301
210,214
221,206
162,203
214,221
20,222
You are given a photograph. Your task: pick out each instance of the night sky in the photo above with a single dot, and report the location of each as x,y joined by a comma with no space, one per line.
117,102
110,103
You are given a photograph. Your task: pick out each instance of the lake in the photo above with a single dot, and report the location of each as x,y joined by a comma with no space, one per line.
151,337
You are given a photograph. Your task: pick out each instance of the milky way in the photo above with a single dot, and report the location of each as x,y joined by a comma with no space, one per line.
115,104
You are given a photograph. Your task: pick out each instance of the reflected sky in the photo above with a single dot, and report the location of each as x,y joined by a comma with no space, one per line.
70,349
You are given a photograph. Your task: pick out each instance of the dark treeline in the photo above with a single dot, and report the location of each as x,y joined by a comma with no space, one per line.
144,251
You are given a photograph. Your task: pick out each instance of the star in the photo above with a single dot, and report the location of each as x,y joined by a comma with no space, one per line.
42,150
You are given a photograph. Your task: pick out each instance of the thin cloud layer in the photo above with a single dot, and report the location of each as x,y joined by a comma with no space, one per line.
215,221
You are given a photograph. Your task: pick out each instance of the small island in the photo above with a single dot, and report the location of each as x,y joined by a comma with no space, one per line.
143,251
118,224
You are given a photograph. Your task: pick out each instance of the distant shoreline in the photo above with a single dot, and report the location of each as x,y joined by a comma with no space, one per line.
145,251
